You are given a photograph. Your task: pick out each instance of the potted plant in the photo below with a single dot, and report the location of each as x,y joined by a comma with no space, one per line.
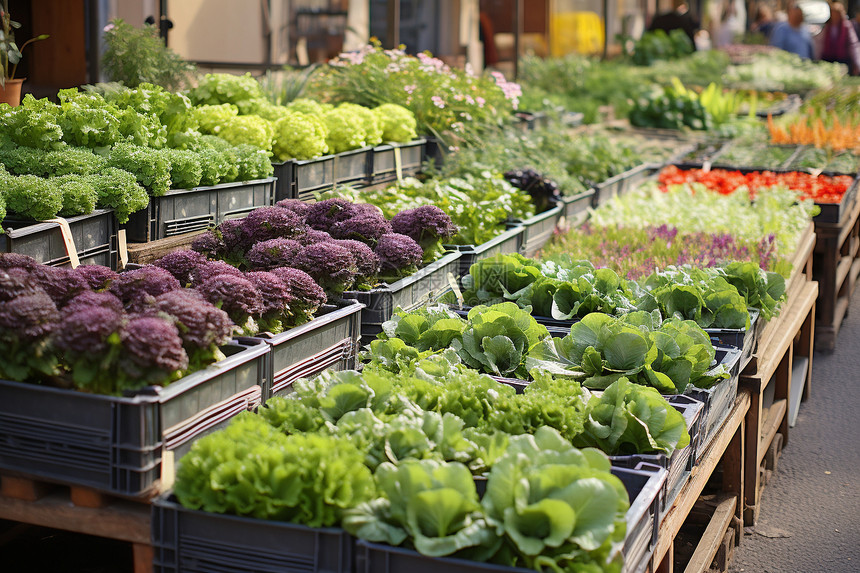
10,53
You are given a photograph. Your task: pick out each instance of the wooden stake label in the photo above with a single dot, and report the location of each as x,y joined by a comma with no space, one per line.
68,240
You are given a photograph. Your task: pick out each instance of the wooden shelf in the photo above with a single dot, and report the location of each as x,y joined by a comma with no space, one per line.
770,426
713,536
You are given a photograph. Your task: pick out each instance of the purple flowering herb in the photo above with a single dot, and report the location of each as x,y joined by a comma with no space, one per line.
15,260
323,214
91,298
84,330
367,228
136,289
313,236
235,295
271,223
152,352
366,261
60,284
398,254
307,295
297,206
212,268
209,244
200,323
28,317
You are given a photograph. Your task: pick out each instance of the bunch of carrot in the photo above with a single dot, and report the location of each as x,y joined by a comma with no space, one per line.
834,135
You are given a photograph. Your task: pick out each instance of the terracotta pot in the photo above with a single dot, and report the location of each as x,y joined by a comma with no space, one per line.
11,94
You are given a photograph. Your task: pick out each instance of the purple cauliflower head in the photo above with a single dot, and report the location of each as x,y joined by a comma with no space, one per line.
273,253
276,296
136,289
398,254
60,284
15,260
366,227
427,225
272,223
297,206
307,295
152,350
235,295
212,268
200,324
332,266
96,276
323,214
98,299
209,244
84,329
181,264
28,317
313,236
366,261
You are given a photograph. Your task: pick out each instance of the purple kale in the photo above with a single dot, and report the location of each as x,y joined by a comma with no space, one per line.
212,268
313,236
276,296
235,295
98,299
307,295
399,255
15,260
331,266
84,330
60,284
181,264
152,351
234,236
273,253
323,214
297,206
96,276
272,223
365,260
136,289
28,317
366,227
209,244
16,282
428,225
200,324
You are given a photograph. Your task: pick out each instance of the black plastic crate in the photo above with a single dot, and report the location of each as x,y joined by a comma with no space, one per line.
643,485
719,399
407,293
312,176
575,208
115,444
329,341
744,339
192,541
284,175
508,242
435,151
94,236
384,164
183,211
539,230
353,167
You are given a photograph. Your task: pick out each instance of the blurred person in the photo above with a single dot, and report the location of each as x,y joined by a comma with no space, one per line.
792,36
838,39
678,18
764,21
726,21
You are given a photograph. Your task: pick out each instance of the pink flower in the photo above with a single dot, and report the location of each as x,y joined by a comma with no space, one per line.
410,88
481,101
109,27
438,102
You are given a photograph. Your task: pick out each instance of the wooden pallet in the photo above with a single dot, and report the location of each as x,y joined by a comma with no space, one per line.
78,509
145,253
793,333
837,267
727,446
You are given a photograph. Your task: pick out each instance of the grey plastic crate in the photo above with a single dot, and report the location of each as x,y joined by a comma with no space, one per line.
115,444
508,242
329,341
353,167
407,293
312,176
719,399
575,208
620,184
643,486
384,163
539,230
94,236
745,339
284,175
190,541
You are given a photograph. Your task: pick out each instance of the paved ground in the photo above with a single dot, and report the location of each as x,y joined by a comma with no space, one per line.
810,514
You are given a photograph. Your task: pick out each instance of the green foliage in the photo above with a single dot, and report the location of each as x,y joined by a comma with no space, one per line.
173,110
658,45
119,190
398,123
370,121
215,89
185,168
253,163
35,123
138,55
79,194
32,197
149,166
210,118
299,135
247,130
346,129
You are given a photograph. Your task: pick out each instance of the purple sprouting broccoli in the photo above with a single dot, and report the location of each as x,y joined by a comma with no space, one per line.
152,353
88,342
234,236
212,268
366,261
273,253
332,266
15,260
209,244
399,256
307,295
238,297
297,206
365,227
314,236
202,326
91,298
96,276
277,300
272,223
428,225
60,284
181,264
138,288
323,214
27,319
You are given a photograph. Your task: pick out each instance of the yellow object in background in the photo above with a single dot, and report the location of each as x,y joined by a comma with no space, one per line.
576,32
